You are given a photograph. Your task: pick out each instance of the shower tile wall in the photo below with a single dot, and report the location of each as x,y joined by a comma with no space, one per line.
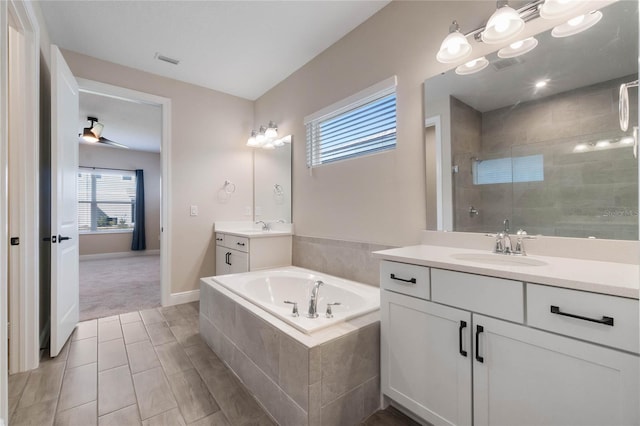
592,193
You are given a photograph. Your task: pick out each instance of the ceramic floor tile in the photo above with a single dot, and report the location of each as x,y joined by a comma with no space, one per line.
142,356
186,335
108,319
134,332
84,415
83,352
85,329
111,354
170,313
130,317
38,414
153,393
151,316
115,390
216,419
17,383
43,384
79,386
109,330
193,397
127,416
173,358
171,417
160,333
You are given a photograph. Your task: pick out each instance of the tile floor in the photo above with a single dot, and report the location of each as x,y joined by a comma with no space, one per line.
141,368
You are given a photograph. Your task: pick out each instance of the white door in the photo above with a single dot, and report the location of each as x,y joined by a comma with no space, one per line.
523,376
65,310
426,358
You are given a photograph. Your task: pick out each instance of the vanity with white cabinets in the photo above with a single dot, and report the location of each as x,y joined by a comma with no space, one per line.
495,341
244,247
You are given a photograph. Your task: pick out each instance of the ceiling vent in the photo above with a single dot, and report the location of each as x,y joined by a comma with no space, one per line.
501,64
172,61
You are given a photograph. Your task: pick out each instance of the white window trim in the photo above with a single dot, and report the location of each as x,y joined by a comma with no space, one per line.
107,231
378,90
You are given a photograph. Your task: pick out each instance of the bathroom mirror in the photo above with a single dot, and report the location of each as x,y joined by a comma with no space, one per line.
272,183
536,139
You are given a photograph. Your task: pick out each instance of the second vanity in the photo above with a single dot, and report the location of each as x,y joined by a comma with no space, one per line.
472,337
245,246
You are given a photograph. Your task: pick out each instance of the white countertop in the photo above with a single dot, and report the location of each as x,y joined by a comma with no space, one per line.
617,279
250,229
254,233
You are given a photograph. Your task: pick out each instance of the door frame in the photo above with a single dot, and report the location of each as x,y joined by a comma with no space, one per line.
103,89
26,337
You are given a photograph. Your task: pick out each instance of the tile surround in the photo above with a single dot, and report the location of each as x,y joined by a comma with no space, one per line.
297,384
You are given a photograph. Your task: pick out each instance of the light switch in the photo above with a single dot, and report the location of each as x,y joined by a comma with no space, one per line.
194,210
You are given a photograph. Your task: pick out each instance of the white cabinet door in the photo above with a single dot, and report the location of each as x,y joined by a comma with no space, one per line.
532,377
222,267
239,261
426,358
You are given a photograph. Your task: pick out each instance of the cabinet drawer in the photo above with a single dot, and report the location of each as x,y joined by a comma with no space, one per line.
404,278
617,317
236,243
485,295
220,239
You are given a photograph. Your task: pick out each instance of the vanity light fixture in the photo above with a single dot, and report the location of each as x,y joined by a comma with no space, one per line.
518,48
628,140
581,147
252,141
272,131
559,9
473,66
261,137
454,47
504,24
577,25
603,143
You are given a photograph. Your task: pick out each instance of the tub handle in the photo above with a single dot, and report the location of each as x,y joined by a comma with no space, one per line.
294,313
329,313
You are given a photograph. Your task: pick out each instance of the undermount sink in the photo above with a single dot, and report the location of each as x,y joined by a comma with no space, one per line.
498,259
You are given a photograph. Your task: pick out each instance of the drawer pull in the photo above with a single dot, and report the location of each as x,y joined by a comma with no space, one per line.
604,320
463,325
410,281
240,244
479,329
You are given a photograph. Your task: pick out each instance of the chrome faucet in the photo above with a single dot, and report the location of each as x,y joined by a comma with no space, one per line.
265,226
503,240
313,302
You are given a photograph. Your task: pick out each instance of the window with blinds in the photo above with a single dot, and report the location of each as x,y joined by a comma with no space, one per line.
509,170
362,124
106,200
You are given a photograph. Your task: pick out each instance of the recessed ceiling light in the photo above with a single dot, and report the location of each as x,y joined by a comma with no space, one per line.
541,83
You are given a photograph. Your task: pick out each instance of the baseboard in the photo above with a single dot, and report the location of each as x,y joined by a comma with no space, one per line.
118,255
184,297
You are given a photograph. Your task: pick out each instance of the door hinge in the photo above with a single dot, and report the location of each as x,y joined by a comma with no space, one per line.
15,241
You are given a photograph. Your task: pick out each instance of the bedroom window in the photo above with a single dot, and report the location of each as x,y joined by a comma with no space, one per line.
106,200
362,124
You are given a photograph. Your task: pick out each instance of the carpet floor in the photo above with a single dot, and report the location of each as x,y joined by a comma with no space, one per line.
117,286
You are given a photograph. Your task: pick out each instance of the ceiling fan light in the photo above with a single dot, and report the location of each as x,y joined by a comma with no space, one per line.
89,136
518,48
504,24
454,47
577,24
473,66
559,9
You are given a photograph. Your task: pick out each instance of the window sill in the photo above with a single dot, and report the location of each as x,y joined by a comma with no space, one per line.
114,231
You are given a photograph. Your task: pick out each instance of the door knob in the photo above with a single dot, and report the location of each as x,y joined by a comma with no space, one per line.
61,238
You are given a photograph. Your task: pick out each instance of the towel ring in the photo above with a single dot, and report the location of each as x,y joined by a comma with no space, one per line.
229,187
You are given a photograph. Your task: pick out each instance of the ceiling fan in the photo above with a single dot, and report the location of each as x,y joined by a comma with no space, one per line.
93,134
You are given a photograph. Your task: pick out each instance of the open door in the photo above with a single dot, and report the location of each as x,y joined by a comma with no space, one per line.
65,296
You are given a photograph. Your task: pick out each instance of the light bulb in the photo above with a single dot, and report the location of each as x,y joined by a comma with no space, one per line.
627,140
541,83
501,25
471,63
517,44
603,144
576,21
272,131
453,48
252,141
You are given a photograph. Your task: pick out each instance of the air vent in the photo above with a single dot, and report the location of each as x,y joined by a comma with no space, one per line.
501,64
161,57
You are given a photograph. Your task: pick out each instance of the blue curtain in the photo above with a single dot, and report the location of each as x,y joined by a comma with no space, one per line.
139,241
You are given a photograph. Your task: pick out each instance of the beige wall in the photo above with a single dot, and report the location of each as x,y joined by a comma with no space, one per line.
208,131
379,198
97,156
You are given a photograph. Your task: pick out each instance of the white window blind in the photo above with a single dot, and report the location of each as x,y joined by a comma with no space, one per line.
106,200
361,124
507,170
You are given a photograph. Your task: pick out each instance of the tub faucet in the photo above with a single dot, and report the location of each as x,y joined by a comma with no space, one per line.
313,302
265,225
